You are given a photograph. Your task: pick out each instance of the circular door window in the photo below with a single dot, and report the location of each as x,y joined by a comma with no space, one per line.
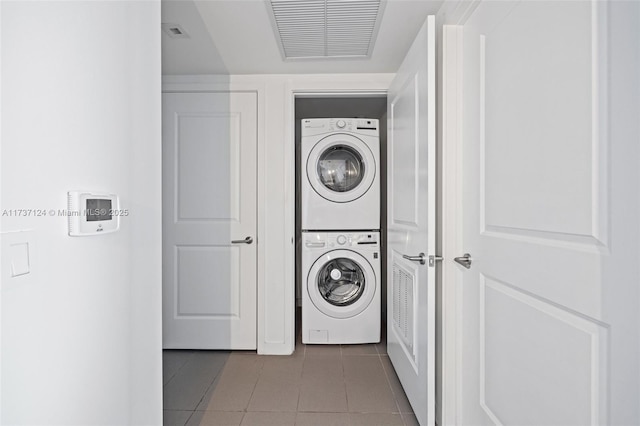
341,283
341,168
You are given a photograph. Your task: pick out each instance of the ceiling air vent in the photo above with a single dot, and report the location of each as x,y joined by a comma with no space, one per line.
174,30
326,28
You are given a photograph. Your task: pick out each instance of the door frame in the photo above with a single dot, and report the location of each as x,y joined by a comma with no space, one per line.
450,22
451,225
319,86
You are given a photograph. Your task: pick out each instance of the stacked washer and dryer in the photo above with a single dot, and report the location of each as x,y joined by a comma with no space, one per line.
340,220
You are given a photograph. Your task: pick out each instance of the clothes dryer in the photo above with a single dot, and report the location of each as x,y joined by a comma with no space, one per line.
341,287
340,166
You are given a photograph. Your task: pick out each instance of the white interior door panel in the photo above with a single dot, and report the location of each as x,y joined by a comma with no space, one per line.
411,224
538,214
209,220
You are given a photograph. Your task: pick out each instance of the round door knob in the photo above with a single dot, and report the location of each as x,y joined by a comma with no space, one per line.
341,239
340,124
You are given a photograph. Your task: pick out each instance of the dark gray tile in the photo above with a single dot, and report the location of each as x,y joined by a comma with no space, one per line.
396,387
322,419
318,385
362,369
381,347
191,382
410,419
172,361
323,397
269,418
282,369
233,388
175,417
216,418
274,396
369,419
322,368
228,396
322,350
369,349
370,398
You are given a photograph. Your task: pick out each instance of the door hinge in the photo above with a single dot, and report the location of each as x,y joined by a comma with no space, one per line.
433,259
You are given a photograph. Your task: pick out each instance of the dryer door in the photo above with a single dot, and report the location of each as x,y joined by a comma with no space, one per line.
341,168
341,283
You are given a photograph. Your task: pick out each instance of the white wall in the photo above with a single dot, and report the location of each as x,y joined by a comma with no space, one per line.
81,337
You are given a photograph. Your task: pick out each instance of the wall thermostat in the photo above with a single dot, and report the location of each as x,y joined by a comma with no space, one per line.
92,213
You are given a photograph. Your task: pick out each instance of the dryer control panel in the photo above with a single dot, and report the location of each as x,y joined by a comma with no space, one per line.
325,125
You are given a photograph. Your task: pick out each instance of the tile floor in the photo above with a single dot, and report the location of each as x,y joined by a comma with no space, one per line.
322,385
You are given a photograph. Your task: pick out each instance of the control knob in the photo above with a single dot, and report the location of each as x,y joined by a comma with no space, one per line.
340,124
341,239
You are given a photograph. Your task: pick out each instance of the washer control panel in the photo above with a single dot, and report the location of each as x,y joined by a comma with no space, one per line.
359,239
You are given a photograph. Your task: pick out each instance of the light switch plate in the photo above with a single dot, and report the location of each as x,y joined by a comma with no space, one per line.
18,256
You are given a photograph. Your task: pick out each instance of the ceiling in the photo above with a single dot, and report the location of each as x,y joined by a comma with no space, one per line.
236,37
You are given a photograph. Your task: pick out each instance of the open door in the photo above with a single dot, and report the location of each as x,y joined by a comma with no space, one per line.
549,301
411,224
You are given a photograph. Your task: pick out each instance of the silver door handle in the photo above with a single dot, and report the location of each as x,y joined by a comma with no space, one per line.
422,258
464,260
247,240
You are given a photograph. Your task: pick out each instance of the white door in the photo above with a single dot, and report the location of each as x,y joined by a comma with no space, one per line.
209,220
411,224
540,301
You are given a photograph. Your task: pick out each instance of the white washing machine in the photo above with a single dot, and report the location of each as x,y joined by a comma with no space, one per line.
340,166
341,287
